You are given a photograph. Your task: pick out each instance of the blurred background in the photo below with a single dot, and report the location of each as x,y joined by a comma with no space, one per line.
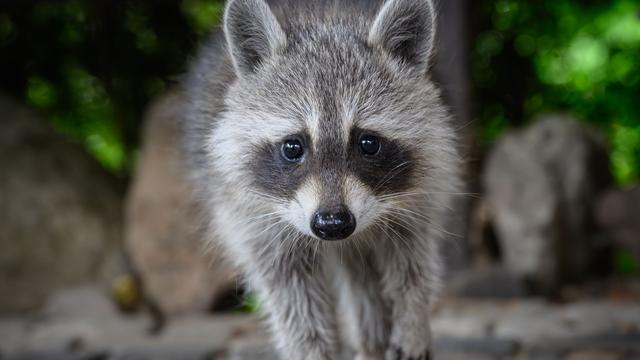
101,255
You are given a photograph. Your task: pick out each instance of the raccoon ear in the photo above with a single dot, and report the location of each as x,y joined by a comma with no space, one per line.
406,29
252,33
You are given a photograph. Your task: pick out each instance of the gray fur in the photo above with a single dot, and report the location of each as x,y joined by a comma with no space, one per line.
252,32
326,71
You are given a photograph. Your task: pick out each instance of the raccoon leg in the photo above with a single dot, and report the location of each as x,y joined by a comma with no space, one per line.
364,309
298,306
410,280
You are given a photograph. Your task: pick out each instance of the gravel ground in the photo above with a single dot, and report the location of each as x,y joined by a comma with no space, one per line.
83,325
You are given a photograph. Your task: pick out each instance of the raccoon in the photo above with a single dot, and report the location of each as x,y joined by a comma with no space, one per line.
325,162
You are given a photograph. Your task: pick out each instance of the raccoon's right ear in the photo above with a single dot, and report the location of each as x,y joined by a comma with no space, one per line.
252,33
406,30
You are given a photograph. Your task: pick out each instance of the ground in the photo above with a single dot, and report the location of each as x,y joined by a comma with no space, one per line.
82,324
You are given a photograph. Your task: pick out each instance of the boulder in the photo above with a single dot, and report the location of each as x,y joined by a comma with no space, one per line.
541,184
618,213
487,283
163,231
60,212
82,302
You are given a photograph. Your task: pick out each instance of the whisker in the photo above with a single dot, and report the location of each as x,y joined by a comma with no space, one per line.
265,196
414,193
430,222
390,175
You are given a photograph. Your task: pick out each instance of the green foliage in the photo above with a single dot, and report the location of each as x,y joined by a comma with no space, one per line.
626,263
92,66
251,304
202,14
562,55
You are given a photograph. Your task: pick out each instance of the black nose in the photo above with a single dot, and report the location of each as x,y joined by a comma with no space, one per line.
336,224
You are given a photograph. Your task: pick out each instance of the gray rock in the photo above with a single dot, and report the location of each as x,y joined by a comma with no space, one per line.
62,336
256,348
494,348
594,355
470,330
172,354
533,321
13,331
618,212
83,302
541,184
163,235
126,336
216,332
495,282
466,319
60,212
464,356
57,355
540,324
609,343
86,334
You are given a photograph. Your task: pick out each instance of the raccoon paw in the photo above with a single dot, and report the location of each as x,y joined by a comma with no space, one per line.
396,353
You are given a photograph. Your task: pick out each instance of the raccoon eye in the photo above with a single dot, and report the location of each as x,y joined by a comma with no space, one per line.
292,150
369,144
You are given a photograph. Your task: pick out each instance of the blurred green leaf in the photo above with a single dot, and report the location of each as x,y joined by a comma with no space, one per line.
574,57
40,93
626,263
251,304
203,14
6,27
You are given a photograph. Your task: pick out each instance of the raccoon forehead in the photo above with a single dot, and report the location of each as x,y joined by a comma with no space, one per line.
298,99
413,116
332,118
260,123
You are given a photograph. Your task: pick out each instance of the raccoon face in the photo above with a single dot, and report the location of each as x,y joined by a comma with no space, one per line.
333,183
328,123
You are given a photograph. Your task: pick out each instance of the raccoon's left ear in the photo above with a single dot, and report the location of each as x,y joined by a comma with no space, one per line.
252,33
406,29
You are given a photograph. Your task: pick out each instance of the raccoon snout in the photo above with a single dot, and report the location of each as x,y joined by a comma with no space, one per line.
335,224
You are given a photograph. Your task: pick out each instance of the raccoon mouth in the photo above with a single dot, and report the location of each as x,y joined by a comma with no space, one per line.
336,224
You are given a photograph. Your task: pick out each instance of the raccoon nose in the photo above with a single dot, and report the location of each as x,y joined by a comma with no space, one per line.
336,224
